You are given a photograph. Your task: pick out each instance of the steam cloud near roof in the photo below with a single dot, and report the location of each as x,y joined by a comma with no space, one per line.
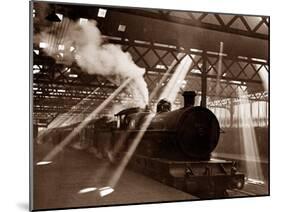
96,57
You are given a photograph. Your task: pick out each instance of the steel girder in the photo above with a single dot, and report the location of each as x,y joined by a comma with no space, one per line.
247,25
237,72
54,80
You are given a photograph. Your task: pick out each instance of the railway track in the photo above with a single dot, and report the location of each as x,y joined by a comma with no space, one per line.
250,189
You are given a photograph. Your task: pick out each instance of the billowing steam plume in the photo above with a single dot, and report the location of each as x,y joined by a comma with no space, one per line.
96,57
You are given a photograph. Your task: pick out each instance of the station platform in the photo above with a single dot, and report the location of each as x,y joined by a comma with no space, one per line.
76,178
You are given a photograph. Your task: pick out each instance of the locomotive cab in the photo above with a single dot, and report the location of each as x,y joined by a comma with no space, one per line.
130,118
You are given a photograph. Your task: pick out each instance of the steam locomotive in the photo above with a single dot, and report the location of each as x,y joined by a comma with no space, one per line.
175,146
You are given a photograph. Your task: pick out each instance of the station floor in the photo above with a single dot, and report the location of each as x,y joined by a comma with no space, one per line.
76,178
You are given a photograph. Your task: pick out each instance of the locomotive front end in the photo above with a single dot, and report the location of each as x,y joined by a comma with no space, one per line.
197,133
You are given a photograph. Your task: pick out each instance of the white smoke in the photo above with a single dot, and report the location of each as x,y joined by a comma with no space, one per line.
96,57
116,108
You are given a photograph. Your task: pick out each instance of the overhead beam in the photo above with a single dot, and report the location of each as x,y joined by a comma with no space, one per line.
194,23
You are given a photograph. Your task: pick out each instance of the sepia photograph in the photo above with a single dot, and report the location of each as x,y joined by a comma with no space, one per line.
134,105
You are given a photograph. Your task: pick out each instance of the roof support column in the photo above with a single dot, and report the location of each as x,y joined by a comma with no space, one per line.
204,81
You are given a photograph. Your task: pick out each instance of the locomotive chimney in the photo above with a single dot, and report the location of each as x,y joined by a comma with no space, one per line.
189,98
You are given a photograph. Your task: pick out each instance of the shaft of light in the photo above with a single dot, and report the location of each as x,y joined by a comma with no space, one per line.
180,57
172,88
263,73
74,117
115,178
73,108
63,118
249,140
219,69
76,130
